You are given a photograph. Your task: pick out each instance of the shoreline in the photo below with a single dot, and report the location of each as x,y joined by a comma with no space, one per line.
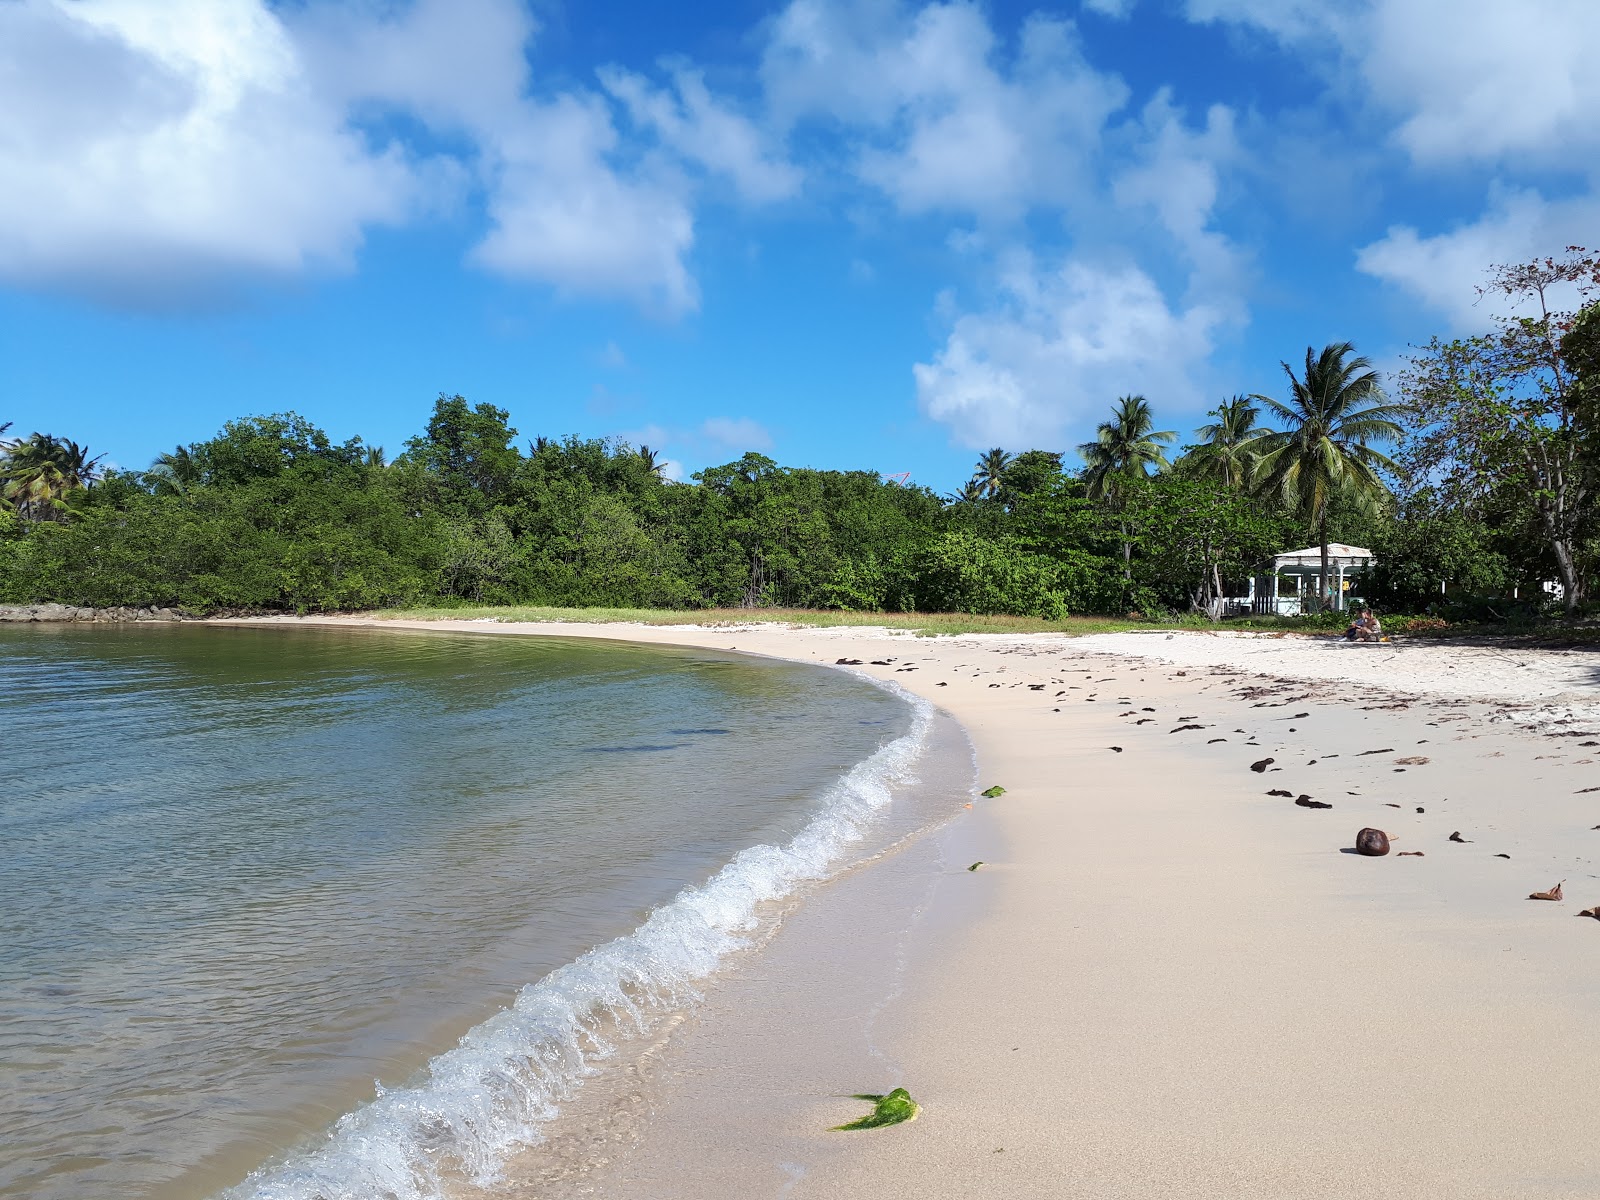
1168,983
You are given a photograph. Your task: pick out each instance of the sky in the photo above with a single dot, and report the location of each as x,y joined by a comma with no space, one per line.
855,235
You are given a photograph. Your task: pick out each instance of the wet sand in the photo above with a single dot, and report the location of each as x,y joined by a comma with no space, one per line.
1166,982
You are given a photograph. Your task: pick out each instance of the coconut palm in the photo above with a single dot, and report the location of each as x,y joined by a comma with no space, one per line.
376,458
1335,409
1124,449
971,492
42,472
653,462
176,470
5,451
1227,449
990,471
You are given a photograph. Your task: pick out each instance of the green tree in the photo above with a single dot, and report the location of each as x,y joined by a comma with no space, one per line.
1124,450
1227,449
1336,409
1430,549
1508,411
177,470
40,475
990,473
653,462
467,455
1028,473
960,572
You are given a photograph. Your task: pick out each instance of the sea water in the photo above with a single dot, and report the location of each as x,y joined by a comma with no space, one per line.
295,913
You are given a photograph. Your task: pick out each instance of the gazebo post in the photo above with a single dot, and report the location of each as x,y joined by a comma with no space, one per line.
1338,595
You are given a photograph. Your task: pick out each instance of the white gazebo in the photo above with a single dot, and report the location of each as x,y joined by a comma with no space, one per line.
1301,570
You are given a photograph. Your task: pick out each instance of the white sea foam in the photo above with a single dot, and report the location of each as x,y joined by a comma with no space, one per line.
494,1092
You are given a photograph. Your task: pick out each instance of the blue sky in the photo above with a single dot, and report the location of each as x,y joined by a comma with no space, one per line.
856,235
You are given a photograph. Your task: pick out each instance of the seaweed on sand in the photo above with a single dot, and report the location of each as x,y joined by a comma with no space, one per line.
991,793
892,1109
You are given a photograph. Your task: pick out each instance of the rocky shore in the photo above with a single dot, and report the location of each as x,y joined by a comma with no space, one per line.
68,613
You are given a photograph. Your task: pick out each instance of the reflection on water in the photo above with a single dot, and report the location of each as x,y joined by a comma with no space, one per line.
245,872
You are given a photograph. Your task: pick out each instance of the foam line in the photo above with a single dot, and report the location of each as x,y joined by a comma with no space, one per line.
494,1092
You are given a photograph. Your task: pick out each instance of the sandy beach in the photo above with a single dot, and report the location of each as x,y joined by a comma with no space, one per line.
1169,978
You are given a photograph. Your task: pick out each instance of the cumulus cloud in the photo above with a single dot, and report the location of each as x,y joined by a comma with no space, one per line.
1117,10
1464,79
944,119
1174,176
1057,348
568,204
705,130
737,433
1480,79
561,213
1444,270
152,147
159,151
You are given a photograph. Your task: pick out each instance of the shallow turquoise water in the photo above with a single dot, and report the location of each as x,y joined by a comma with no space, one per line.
245,872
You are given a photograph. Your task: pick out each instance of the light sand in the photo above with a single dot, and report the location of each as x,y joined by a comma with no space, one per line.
1168,983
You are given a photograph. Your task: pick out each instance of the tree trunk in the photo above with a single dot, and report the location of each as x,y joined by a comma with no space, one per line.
1322,585
1127,553
1567,568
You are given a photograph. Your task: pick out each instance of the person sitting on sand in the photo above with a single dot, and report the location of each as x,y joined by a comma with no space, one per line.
1364,628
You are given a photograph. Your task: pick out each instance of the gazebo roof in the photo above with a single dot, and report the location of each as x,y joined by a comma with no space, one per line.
1335,550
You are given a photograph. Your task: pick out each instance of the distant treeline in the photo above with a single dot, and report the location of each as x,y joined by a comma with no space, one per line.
1490,489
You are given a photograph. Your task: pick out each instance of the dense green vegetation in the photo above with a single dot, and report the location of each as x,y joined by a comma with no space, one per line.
1473,480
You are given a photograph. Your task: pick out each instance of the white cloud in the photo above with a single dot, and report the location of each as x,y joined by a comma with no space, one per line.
1479,79
1445,270
153,148
706,131
737,433
1286,19
562,214
1175,177
945,120
1467,80
164,150
1117,10
1057,349
568,203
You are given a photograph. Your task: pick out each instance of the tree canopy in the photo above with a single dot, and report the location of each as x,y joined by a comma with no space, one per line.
1488,499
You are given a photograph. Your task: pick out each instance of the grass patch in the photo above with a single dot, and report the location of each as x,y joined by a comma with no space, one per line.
1551,632
892,1109
921,624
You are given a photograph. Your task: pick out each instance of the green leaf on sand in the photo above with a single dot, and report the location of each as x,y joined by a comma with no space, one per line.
897,1106
976,865
996,790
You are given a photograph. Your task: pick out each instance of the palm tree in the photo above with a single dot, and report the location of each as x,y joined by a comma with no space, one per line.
5,452
652,462
1124,449
991,470
971,492
1335,409
43,471
175,470
1227,450
376,457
